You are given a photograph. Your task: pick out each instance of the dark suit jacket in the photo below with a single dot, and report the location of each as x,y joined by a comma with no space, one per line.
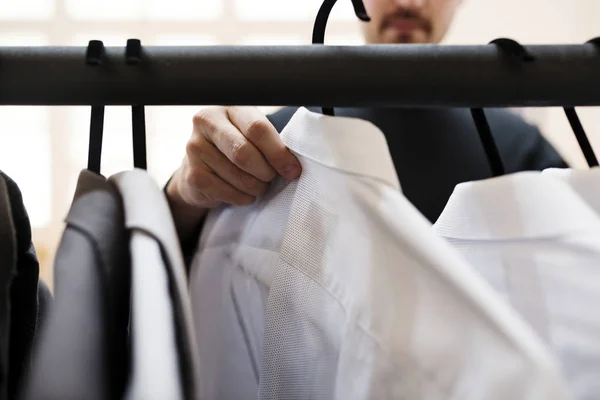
435,149
23,291
8,265
82,350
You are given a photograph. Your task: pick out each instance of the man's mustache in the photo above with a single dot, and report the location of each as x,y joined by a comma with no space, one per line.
407,14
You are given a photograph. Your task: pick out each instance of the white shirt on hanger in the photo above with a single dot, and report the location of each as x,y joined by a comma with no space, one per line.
164,361
335,287
538,244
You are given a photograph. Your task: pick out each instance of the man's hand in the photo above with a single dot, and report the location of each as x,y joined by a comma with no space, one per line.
232,155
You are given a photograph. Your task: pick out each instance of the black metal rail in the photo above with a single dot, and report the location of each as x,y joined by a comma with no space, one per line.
347,76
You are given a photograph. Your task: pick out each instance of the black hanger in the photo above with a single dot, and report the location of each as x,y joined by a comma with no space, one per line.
595,42
511,48
582,139
95,56
575,122
488,142
134,56
321,24
516,50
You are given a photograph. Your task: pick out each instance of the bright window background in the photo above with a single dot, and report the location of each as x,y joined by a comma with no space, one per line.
44,148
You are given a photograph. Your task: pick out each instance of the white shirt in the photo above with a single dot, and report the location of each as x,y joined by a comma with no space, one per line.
335,287
538,244
163,341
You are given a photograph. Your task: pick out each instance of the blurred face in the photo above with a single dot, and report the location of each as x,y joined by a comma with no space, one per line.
408,21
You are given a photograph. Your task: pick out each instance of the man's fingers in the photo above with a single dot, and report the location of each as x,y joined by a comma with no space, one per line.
231,156
255,127
203,151
202,186
214,124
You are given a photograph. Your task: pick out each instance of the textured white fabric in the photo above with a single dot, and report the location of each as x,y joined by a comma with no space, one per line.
362,299
538,244
230,279
163,336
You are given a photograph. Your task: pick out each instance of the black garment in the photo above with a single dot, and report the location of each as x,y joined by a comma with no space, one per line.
23,292
82,350
8,265
435,149
44,305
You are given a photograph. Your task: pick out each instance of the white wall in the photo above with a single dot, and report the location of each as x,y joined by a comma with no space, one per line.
529,21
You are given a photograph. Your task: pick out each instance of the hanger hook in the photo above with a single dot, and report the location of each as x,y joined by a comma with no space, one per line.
321,25
323,17
95,53
133,52
360,11
133,57
595,42
95,56
515,49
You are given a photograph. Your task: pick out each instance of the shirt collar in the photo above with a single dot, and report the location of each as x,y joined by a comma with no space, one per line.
525,205
89,181
351,145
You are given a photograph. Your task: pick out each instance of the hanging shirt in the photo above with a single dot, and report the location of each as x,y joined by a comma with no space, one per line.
163,348
80,352
538,245
335,287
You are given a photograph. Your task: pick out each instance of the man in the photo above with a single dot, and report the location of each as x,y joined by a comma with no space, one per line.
235,151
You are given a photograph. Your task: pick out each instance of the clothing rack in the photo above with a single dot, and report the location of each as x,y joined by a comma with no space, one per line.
348,76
